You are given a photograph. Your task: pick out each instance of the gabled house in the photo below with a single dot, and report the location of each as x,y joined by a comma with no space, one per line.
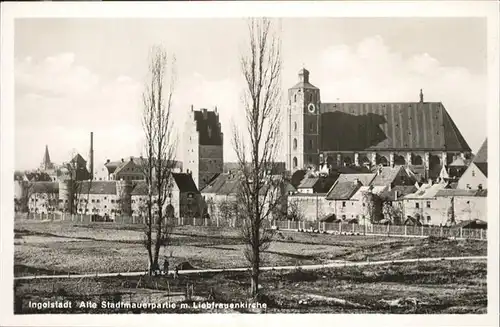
476,175
184,199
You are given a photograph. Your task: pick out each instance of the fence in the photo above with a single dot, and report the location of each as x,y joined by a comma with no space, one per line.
389,230
340,228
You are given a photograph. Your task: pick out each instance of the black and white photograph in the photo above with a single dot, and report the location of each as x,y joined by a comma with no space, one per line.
250,158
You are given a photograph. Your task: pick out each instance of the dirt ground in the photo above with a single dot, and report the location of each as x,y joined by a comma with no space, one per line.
54,248
418,288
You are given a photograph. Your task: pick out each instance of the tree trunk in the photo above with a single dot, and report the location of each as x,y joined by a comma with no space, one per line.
255,272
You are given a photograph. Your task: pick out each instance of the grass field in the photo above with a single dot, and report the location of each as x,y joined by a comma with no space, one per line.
51,248
434,287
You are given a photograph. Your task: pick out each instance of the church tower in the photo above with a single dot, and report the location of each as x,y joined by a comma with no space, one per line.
303,124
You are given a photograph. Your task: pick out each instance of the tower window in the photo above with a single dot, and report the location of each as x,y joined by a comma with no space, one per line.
311,127
310,97
295,126
295,144
295,162
310,144
295,98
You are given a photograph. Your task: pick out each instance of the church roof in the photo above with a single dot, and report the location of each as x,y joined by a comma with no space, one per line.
208,127
389,126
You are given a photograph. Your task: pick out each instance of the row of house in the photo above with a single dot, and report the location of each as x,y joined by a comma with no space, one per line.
457,194
112,198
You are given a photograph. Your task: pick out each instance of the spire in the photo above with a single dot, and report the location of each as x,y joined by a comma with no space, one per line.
46,163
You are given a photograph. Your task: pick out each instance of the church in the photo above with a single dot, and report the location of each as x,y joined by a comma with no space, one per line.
419,135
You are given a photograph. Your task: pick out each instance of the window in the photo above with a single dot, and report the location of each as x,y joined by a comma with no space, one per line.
112,201
343,204
310,97
105,198
295,98
295,144
467,186
310,144
428,219
295,164
98,201
428,204
92,201
473,173
295,126
190,195
417,205
311,127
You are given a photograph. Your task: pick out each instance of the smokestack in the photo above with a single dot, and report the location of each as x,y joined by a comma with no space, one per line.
91,159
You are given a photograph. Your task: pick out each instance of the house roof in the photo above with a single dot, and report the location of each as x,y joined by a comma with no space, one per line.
79,160
426,191
37,176
458,192
402,190
185,182
342,191
482,153
275,167
141,188
308,182
389,126
365,179
223,184
375,190
297,177
483,167
98,187
386,175
45,187
208,127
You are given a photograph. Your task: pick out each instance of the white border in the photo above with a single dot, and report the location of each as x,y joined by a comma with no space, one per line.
10,11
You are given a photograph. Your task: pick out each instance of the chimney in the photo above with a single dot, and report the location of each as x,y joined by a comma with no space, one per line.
91,155
123,160
421,96
429,181
356,181
192,108
204,111
215,110
131,158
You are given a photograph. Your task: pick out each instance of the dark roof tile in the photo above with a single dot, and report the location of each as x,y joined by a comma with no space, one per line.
389,126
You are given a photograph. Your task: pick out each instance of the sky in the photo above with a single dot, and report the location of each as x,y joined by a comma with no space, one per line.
74,76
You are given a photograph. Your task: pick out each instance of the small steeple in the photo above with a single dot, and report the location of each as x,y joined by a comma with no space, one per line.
46,163
421,96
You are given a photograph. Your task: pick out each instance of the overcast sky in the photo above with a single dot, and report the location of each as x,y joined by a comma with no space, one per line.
74,76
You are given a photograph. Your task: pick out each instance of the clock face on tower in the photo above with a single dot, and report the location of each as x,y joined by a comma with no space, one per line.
311,107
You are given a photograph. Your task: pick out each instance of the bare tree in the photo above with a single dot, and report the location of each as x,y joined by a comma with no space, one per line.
393,212
227,209
257,196
295,211
372,207
158,162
